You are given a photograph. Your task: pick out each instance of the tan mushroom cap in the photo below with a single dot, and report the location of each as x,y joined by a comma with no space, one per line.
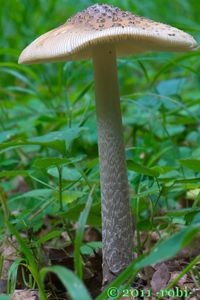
105,24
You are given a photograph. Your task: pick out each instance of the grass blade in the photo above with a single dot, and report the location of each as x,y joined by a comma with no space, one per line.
72,283
79,236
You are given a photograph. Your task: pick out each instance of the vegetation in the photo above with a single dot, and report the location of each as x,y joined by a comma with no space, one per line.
50,215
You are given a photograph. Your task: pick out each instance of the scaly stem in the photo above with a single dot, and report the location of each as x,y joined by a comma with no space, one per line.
117,225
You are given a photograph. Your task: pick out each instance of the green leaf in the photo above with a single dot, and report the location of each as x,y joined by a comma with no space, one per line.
4,297
68,174
172,180
9,162
52,140
145,225
88,249
191,216
187,180
45,163
163,169
150,191
14,173
193,164
171,86
5,135
180,212
48,236
12,275
57,145
38,193
141,169
71,282
66,136
94,218
69,196
196,219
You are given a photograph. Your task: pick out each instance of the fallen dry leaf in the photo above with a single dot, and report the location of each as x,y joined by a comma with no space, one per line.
25,295
160,278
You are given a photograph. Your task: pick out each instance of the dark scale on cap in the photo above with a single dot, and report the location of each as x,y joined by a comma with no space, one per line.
97,14
115,19
99,17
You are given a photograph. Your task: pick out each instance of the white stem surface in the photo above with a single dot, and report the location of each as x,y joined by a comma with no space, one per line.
117,225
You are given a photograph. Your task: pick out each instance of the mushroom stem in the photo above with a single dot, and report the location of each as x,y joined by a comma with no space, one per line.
117,225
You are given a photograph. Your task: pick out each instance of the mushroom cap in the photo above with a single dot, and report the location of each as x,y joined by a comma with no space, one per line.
105,24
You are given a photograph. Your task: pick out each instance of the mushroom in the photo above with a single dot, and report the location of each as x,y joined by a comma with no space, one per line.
103,33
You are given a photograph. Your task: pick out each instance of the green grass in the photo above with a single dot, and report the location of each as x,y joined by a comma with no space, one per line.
47,123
